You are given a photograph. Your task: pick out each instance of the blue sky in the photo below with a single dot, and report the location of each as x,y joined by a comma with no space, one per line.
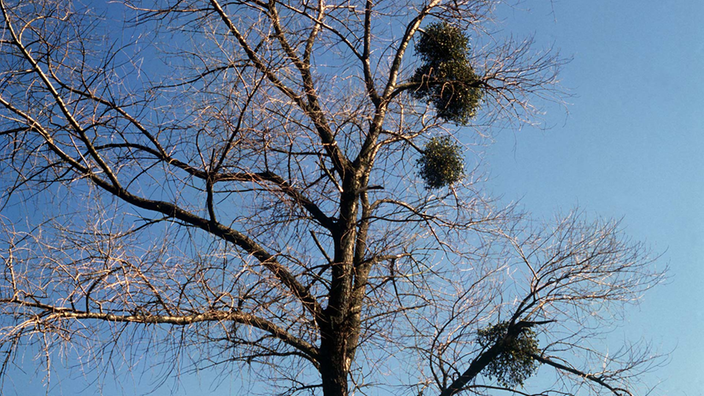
630,146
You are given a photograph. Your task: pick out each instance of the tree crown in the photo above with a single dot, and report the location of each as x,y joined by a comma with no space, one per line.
231,185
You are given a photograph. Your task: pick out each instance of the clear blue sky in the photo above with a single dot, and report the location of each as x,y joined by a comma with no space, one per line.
631,147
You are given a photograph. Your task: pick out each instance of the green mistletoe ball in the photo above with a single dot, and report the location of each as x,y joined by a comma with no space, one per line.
441,163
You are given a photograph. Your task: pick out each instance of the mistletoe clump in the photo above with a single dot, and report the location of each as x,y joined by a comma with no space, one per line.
446,79
516,361
442,163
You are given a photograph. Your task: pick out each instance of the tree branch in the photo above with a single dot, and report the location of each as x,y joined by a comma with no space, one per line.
588,376
312,109
50,312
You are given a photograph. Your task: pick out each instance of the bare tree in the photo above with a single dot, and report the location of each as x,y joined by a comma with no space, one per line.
236,183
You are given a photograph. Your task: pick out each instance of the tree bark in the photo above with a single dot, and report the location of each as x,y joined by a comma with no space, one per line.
334,362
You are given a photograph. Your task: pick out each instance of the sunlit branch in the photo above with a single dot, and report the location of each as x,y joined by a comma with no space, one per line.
49,313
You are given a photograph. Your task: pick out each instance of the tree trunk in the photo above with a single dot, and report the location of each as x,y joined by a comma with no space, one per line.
334,362
336,351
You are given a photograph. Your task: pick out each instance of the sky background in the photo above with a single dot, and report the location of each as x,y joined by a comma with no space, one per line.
629,145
